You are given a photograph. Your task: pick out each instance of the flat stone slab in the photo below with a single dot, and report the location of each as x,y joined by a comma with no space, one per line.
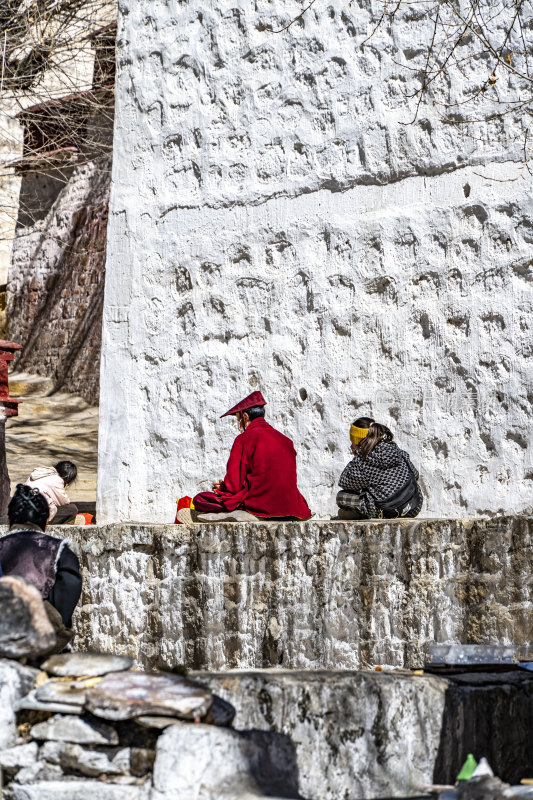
74,729
25,629
74,790
30,703
85,664
124,695
92,763
160,723
59,690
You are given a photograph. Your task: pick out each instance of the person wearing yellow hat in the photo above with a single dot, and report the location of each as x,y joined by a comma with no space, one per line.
380,481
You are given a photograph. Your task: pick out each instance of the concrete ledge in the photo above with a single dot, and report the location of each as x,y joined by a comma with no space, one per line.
303,595
369,734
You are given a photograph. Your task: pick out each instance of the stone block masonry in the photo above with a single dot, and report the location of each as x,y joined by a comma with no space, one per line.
328,595
369,734
56,290
275,225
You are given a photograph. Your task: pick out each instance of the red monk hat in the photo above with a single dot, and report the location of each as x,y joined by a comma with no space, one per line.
254,399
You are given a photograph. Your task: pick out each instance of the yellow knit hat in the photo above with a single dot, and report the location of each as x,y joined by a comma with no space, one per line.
357,434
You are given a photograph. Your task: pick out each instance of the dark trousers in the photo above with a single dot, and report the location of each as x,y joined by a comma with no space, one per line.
65,514
208,502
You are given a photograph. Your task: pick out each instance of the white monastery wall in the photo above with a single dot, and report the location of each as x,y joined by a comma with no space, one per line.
274,224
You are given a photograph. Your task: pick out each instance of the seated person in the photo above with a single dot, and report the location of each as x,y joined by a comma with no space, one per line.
380,480
260,478
52,482
44,561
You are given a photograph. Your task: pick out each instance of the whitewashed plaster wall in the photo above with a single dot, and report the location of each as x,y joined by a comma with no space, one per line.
275,225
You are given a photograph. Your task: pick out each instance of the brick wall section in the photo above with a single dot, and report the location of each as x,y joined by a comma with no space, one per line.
56,288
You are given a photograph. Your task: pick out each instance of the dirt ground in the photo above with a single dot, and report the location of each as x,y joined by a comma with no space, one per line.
49,428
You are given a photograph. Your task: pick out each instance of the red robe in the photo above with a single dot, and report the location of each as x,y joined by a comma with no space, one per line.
261,474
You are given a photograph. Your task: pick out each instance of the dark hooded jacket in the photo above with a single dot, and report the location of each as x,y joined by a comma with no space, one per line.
379,476
46,562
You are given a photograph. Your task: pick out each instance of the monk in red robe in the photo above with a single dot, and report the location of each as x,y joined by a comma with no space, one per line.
261,472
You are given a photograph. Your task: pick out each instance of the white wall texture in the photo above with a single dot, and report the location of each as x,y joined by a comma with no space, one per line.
274,224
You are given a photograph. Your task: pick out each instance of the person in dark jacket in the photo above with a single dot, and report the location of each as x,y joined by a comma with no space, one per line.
44,561
380,481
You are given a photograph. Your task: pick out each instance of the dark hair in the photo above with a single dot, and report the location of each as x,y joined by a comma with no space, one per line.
28,505
376,433
363,422
254,412
67,470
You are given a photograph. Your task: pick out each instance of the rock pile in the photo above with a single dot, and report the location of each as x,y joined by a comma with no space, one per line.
93,723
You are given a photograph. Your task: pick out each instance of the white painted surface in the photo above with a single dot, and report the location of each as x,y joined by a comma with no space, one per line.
273,225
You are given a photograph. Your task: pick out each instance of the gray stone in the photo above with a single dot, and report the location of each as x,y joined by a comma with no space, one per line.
40,770
22,755
468,654
204,762
30,703
15,681
221,713
60,691
316,595
141,760
73,729
156,722
384,734
122,759
85,664
89,762
355,734
75,790
25,629
123,695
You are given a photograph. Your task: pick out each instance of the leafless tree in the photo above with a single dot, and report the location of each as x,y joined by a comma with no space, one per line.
57,78
471,60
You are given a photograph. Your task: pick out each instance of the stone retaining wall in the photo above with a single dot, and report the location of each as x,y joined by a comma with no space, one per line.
324,594
378,734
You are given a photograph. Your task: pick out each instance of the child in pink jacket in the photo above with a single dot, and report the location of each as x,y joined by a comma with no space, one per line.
52,483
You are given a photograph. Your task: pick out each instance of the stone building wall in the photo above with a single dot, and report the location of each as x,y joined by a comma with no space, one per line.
317,595
56,288
55,160
274,224
11,142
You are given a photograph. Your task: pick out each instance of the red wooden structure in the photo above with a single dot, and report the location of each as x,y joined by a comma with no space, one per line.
10,408
7,354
